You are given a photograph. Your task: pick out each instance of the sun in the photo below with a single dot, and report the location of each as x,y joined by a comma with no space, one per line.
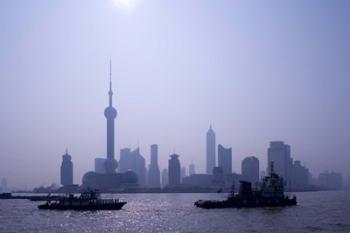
128,4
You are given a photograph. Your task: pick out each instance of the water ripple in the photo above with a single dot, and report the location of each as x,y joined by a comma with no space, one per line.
169,213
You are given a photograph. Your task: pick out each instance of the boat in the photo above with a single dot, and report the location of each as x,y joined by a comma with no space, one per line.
88,200
30,197
270,194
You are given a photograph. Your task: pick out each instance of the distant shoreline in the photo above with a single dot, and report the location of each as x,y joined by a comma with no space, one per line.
162,192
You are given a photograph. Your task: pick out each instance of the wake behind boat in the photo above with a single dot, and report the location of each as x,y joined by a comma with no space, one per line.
88,200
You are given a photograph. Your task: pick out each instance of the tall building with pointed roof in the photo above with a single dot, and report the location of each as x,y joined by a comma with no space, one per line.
110,114
105,178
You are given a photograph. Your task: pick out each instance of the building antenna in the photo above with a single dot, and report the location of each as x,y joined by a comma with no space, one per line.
110,71
110,93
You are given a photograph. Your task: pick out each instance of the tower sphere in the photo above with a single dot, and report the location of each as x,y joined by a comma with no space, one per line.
110,112
111,165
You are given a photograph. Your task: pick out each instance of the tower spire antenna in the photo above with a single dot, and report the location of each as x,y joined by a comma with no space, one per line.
110,93
110,114
110,74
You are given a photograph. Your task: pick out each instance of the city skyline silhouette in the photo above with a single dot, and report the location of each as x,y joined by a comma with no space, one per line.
256,77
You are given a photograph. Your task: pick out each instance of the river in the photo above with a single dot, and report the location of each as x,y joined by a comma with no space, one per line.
326,211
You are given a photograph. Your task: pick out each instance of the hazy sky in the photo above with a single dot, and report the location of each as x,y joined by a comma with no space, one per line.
257,70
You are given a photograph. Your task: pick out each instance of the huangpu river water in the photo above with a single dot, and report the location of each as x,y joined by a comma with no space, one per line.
327,211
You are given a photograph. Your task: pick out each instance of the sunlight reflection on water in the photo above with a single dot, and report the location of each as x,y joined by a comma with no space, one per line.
317,212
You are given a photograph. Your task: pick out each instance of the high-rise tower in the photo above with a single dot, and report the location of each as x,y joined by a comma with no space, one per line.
174,169
211,146
66,169
225,159
110,114
279,154
153,171
250,170
191,169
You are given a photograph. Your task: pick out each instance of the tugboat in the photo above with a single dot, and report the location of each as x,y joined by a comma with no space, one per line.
271,194
88,200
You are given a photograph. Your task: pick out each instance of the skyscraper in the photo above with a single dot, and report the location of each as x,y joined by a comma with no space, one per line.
183,172
250,170
66,169
125,162
110,114
225,159
140,166
211,147
191,169
330,180
300,176
279,154
165,177
174,170
153,171
218,177
3,186
134,161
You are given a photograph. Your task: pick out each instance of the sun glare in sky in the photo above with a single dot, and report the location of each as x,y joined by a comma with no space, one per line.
128,4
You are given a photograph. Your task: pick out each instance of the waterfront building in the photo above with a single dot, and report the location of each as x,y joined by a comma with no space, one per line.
133,161
124,160
279,153
218,177
100,165
232,181
198,180
165,177
3,186
210,149
330,180
153,171
191,169
183,172
300,176
214,182
66,169
250,170
174,168
225,159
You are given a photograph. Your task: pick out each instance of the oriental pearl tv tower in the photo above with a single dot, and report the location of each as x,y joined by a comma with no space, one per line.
107,179
110,113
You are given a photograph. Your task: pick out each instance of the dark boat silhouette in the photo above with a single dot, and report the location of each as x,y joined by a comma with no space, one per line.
88,200
30,197
271,194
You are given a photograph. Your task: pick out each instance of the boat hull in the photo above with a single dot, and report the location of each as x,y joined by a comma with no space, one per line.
109,206
245,203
